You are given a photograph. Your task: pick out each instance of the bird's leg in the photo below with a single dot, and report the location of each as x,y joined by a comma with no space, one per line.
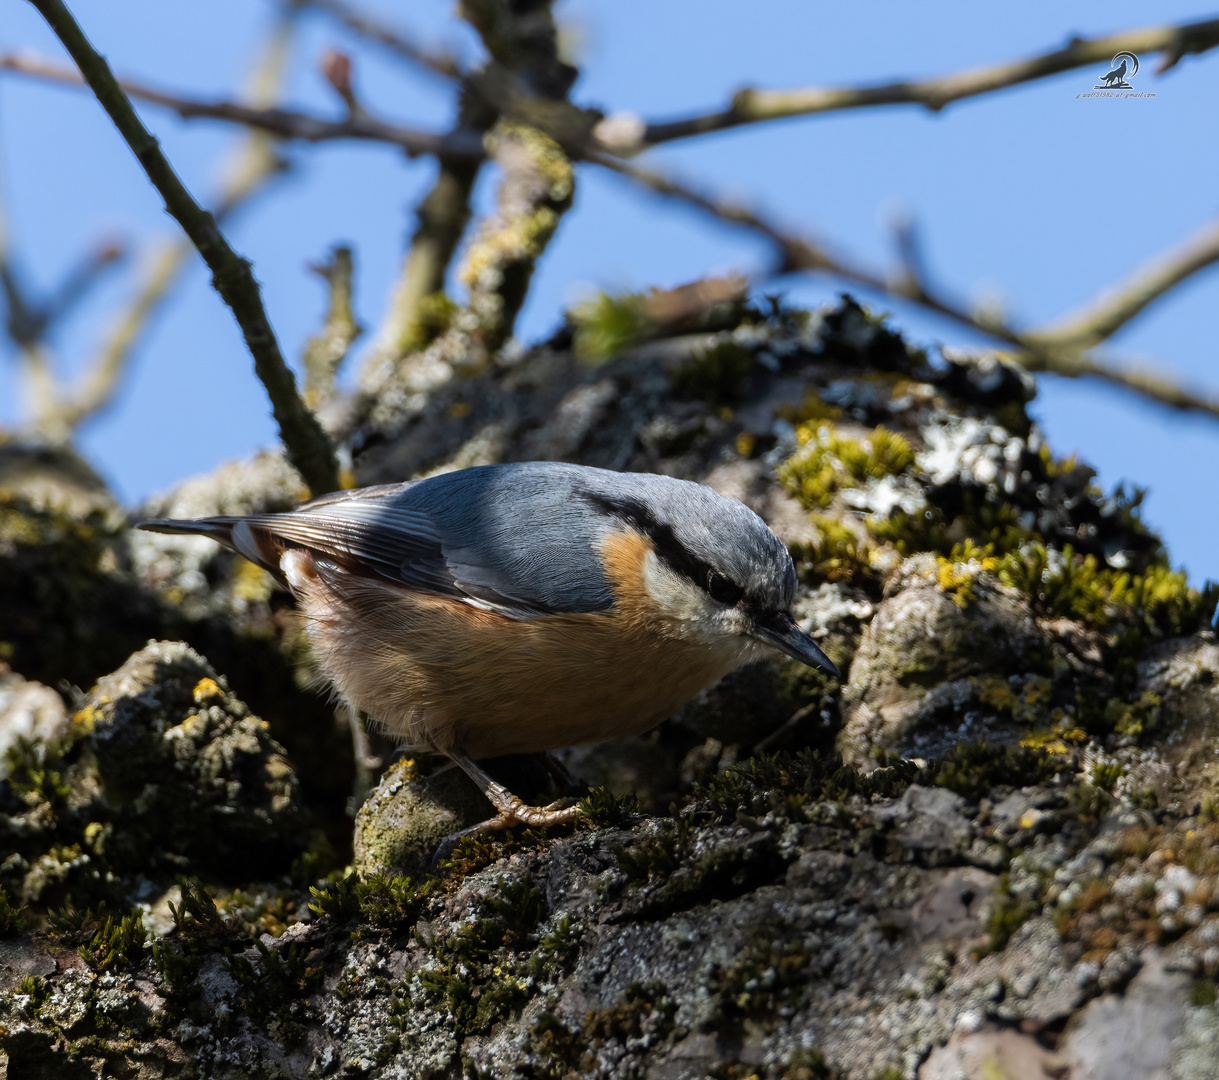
512,809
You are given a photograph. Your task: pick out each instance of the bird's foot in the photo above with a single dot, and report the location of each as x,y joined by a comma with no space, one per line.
516,812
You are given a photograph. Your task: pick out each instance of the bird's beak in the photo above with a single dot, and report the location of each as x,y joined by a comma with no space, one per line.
782,633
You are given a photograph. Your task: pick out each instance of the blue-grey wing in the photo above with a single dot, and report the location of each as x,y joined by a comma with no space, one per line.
514,538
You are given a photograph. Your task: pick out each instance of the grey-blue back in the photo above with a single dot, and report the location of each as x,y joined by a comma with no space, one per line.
527,537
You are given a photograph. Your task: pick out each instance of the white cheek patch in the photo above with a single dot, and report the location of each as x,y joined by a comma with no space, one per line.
677,597
700,617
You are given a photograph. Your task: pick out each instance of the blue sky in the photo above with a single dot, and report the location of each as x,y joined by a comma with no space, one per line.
1032,194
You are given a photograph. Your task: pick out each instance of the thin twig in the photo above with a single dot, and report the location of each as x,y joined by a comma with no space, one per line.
757,106
1060,352
58,410
256,164
306,443
1145,383
798,253
1108,313
441,64
326,350
283,123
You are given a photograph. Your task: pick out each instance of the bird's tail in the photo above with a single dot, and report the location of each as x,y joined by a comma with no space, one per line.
241,534
216,528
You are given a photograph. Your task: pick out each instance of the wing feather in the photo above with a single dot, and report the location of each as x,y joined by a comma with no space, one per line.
513,538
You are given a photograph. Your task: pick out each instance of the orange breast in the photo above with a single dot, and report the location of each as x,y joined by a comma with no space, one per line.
438,672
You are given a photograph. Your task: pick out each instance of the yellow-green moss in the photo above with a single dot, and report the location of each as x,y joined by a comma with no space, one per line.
957,574
118,943
838,553
13,918
827,462
433,317
607,324
1007,913
985,527
1079,587
1134,718
811,409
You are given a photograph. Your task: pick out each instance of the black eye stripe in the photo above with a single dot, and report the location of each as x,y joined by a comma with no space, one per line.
668,547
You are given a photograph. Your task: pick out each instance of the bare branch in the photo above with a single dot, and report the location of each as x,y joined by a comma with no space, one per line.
797,253
255,162
326,350
523,87
306,443
283,123
441,64
1114,308
82,278
28,322
1144,382
441,221
1060,352
756,106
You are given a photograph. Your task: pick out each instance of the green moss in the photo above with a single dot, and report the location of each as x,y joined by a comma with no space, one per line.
1203,993
179,970
768,974
271,983
391,904
434,316
119,942
561,947
811,408
383,904
957,574
1158,602
838,554
974,769
784,784
642,1005
34,770
607,324
601,807
559,1051
479,850
974,523
1031,702
714,375
1134,718
518,907
489,967
827,462
656,857
13,918
337,898
34,987
1089,801
1007,913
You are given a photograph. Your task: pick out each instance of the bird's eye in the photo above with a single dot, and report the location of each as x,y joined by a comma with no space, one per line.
721,589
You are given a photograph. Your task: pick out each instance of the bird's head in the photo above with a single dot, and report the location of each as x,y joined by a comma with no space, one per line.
714,568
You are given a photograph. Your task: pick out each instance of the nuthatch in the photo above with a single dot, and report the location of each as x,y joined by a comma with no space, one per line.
516,608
